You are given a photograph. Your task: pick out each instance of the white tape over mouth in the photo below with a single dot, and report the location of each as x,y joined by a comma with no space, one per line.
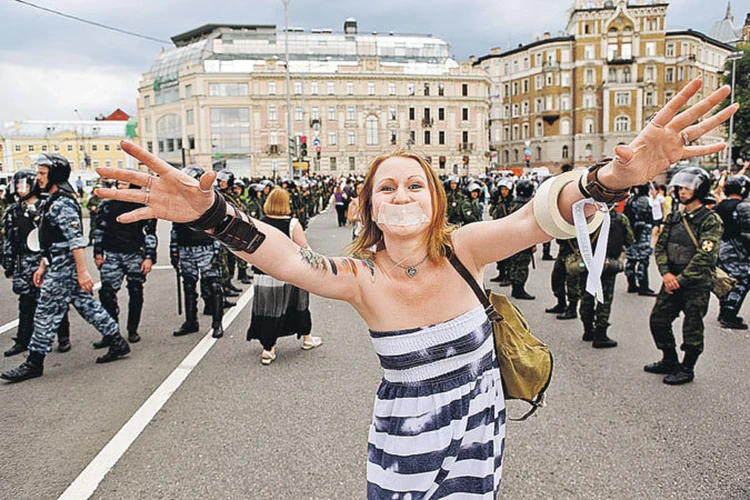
409,214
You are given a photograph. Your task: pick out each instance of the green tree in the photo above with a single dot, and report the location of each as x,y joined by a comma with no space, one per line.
741,140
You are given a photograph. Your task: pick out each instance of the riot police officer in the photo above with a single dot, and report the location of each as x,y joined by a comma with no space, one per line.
501,203
734,250
122,250
62,275
638,210
225,185
519,263
20,222
471,209
455,199
686,254
195,254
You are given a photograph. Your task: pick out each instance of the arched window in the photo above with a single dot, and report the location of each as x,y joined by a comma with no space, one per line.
588,126
372,130
565,152
538,153
515,156
622,124
538,129
506,157
565,127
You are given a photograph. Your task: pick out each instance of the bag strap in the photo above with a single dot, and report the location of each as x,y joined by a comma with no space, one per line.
690,232
489,309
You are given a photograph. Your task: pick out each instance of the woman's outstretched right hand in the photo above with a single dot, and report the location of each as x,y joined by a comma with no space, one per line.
169,195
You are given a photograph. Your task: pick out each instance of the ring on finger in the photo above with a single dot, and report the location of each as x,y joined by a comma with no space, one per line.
656,125
685,138
146,200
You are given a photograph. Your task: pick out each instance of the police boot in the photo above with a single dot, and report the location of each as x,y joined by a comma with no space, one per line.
498,278
666,365
108,298
601,341
559,308
118,348
63,334
191,310
730,320
226,304
644,290
632,287
520,293
685,372
135,306
233,288
570,311
26,309
33,367
228,292
506,278
218,314
242,275
588,332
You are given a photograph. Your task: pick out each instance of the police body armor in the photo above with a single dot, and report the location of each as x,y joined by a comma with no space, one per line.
680,246
48,233
124,238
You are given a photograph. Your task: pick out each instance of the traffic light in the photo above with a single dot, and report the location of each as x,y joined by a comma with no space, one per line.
528,160
303,147
293,145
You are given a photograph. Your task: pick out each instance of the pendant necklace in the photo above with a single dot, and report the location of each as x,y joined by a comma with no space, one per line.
411,271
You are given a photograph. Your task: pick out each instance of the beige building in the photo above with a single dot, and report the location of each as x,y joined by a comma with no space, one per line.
220,95
86,144
572,98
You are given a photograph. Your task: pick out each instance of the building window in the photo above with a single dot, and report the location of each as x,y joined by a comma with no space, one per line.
230,130
394,138
441,89
273,138
626,75
314,88
44,148
371,125
564,127
650,48
589,52
538,154
506,112
465,136
565,79
441,137
525,108
188,91
622,98
650,73
515,156
331,113
352,163
331,138
69,148
119,163
426,89
525,86
670,50
31,148
95,163
465,114
588,126
669,75
349,88
515,88
441,114
147,101
332,161
549,79
411,114
297,88
565,152
191,142
227,89
272,113
410,88
392,88
515,132
538,129
427,137
107,163
106,147
622,124
370,88
189,116
612,75
315,113
150,146
538,82
650,101
351,139
94,147
392,114
271,88
465,89
350,113
525,132
506,133
299,114
331,89
588,77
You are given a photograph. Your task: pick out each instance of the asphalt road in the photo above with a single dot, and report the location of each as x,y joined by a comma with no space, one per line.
297,429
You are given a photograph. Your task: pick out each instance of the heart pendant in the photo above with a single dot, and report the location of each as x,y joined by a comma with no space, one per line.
411,271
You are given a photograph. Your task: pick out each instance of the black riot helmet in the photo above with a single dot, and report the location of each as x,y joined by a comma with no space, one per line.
59,169
193,171
226,176
524,189
739,185
694,178
24,185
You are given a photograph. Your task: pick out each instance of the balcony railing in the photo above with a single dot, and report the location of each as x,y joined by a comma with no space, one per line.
620,60
427,122
273,149
466,146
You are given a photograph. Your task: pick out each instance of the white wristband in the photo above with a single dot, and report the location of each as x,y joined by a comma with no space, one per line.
548,214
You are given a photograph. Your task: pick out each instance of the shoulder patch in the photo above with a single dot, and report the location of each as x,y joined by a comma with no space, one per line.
707,245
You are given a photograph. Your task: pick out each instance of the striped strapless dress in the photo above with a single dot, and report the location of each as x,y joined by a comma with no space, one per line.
438,426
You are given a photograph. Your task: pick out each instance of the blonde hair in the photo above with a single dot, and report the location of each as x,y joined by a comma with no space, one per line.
277,202
437,236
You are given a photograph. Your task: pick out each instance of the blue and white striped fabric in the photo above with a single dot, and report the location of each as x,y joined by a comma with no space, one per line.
438,426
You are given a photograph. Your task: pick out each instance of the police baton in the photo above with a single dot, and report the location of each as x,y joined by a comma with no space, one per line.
179,292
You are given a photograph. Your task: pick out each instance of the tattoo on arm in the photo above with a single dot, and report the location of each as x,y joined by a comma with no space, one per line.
338,265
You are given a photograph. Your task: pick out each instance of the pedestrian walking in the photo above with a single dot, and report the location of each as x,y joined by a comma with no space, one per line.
62,274
686,253
280,309
339,199
438,425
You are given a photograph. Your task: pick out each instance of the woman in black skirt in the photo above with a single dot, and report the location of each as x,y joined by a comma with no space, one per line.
280,309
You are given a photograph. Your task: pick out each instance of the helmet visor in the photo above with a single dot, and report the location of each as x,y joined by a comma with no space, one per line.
687,180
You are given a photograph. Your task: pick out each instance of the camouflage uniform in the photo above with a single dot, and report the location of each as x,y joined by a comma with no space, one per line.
676,253
60,233
734,254
92,205
20,263
638,255
471,211
594,314
124,248
562,287
499,208
228,259
519,263
455,200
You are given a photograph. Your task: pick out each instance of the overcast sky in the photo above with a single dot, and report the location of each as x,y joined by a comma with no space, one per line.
50,66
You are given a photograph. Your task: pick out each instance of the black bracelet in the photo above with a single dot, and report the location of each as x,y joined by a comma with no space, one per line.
238,234
211,217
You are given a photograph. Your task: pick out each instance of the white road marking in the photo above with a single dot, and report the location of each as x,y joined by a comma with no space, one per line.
88,481
14,323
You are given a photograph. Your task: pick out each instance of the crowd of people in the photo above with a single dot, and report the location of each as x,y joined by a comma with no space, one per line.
438,426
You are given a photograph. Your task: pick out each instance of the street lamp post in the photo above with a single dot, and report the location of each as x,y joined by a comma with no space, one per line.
732,57
288,90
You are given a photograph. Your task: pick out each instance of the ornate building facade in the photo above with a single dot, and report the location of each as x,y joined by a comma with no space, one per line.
572,98
220,96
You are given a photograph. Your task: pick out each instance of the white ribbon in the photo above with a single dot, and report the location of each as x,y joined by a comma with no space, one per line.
594,262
